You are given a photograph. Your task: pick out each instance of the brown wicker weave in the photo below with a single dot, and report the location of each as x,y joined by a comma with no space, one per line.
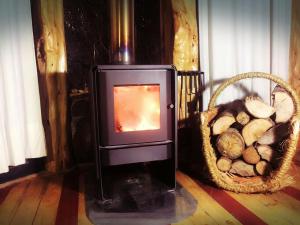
278,178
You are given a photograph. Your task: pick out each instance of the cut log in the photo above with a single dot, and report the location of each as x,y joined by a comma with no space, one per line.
242,118
223,123
250,155
224,164
265,152
263,168
283,104
234,107
243,169
230,144
257,108
275,134
255,129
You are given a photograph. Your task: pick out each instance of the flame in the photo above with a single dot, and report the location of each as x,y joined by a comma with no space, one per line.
136,108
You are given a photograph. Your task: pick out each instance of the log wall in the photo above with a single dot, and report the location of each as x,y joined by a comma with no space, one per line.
52,71
185,52
294,70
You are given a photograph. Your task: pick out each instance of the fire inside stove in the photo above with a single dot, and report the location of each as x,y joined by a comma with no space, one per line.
137,108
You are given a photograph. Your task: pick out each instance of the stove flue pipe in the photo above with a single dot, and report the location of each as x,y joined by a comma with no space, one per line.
122,32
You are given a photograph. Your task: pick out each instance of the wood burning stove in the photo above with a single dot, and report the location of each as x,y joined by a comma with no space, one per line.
134,120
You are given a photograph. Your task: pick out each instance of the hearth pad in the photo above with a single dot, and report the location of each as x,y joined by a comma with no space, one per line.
139,199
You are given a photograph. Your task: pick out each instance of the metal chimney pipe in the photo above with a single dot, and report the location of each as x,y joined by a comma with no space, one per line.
122,32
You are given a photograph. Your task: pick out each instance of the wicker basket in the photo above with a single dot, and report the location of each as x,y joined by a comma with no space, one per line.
278,178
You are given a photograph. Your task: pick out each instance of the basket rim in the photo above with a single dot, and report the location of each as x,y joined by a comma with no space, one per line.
248,75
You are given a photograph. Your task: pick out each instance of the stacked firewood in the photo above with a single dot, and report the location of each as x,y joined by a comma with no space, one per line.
250,136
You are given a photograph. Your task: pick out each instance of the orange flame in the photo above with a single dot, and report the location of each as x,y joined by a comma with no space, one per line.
136,108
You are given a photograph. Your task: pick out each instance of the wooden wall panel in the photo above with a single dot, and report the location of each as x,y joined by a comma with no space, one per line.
185,53
52,69
294,70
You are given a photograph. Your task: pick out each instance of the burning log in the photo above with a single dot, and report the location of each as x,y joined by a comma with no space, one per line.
283,104
230,144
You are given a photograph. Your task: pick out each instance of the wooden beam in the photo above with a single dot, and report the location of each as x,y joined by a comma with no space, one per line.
52,69
294,69
185,52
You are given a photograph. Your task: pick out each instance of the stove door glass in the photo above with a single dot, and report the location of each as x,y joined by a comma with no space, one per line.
136,107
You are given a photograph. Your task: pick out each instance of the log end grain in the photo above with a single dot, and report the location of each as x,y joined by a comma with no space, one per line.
250,155
230,144
224,164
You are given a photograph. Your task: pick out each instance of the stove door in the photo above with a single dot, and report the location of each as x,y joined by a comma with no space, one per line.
134,106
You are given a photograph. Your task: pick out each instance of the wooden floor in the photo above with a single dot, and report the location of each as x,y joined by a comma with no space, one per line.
49,199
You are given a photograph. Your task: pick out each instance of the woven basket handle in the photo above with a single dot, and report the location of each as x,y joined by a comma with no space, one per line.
277,80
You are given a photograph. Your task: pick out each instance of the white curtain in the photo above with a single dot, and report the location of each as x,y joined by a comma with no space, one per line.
238,36
21,130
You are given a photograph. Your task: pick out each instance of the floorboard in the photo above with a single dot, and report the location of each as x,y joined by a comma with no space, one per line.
208,211
47,211
29,204
59,199
67,212
10,205
82,218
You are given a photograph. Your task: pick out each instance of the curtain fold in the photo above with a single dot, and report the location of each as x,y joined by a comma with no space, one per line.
238,36
21,130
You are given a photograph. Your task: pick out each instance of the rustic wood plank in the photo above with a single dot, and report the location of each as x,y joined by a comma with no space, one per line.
82,218
237,209
52,70
46,213
185,50
30,202
21,179
208,210
294,67
293,192
276,208
12,201
4,192
67,212
185,53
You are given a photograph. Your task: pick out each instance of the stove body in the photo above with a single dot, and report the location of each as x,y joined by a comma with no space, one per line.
134,112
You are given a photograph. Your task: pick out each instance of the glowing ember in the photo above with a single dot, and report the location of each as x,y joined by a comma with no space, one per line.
136,108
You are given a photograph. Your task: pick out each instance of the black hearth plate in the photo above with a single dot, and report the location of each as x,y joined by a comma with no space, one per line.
139,200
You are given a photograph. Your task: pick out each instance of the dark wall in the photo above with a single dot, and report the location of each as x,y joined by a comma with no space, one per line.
87,39
147,32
